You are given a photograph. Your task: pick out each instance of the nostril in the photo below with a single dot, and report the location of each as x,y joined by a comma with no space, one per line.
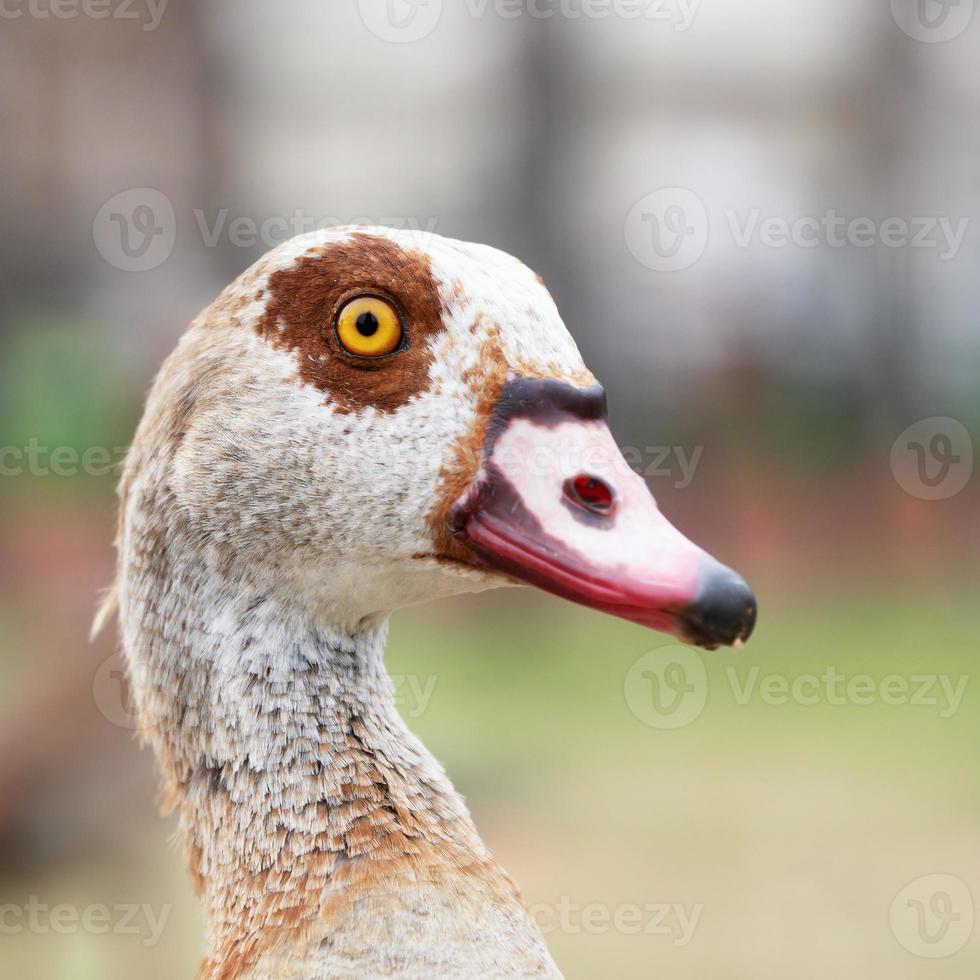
591,493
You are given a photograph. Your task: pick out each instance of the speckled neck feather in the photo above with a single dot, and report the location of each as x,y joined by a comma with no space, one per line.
315,820
316,824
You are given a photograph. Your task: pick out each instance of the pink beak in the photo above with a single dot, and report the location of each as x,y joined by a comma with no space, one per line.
555,505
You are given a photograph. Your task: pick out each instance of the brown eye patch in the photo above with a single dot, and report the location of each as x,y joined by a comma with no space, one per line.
305,299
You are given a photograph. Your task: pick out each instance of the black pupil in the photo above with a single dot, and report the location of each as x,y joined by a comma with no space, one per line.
367,324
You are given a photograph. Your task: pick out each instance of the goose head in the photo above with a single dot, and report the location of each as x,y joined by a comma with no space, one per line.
371,418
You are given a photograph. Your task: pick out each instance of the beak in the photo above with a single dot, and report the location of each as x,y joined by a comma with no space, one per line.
556,505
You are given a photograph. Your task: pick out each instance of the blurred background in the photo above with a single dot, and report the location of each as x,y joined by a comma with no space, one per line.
760,221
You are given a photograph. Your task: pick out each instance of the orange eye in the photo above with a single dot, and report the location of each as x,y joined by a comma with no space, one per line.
369,326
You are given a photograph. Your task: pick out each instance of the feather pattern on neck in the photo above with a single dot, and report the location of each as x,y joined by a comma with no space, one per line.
324,839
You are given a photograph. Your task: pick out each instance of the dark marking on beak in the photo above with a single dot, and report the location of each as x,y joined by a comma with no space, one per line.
546,402
724,609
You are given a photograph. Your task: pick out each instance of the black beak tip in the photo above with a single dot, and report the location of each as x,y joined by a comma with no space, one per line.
724,610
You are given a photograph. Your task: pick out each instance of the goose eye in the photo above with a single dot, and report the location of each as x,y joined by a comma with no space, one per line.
369,326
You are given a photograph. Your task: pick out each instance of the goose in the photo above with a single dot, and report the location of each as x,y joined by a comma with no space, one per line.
365,419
